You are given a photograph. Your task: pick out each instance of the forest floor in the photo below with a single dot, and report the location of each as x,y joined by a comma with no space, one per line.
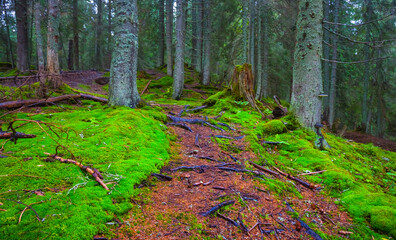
174,209
215,191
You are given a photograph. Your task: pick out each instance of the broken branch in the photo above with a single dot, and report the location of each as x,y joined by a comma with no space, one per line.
217,207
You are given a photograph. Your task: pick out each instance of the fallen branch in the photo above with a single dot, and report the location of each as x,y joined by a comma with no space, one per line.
226,125
300,181
271,143
89,170
228,137
190,167
37,216
345,232
228,219
207,158
196,109
145,88
162,177
312,173
5,135
217,207
304,225
181,125
193,121
37,102
263,168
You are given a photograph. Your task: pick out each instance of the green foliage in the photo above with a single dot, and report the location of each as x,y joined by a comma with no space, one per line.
124,145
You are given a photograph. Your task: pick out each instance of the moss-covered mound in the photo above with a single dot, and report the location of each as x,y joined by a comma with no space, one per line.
124,145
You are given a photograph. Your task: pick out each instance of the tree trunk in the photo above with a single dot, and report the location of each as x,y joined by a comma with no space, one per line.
366,78
98,41
70,55
76,52
262,81
244,29
307,69
332,93
179,61
326,64
252,35
52,44
259,50
109,36
39,42
22,35
208,29
194,32
122,87
169,37
161,37
9,43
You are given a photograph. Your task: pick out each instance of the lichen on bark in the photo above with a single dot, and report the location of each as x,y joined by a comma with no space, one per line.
123,88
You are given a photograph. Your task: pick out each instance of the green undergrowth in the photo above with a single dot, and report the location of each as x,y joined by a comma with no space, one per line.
361,176
124,145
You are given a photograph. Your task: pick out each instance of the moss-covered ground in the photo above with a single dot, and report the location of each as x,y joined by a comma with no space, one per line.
127,145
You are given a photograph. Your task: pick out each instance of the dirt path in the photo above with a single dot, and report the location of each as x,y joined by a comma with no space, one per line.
174,209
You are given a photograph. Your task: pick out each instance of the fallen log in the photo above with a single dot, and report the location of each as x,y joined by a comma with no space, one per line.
37,102
89,170
217,207
263,168
6,135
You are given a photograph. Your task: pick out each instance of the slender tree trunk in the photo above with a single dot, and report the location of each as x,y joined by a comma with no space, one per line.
109,37
265,49
332,94
366,78
169,37
70,55
307,69
52,44
22,35
244,29
30,40
122,87
39,41
208,29
252,37
161,44
76,51
201,35
179,61
98,41
326,64
194,31
259,50
9,42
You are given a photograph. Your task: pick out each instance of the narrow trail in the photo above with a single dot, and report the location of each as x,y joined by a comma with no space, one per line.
174,209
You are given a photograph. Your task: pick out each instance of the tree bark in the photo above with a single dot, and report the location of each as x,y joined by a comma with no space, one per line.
39,39
251,34
326,65
259,50
161,37
22,35
76,52
244,29
307,69
366,77
98,41
122,87
52,44
169,37
9,43
207,43
332,93
178,81
194,39
70,55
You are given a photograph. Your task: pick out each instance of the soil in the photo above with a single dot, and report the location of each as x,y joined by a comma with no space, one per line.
366,138
175,209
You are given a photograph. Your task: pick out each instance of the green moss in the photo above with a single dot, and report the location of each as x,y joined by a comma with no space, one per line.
124,145
106,74
271,127
84,87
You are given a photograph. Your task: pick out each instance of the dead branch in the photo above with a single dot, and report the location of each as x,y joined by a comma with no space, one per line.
193,121
207,158
181,125
85,168
162,177
145,88
217,207
263,168
312,173
228,219
302,182
304,225
5,135
37,102
226,125
28,206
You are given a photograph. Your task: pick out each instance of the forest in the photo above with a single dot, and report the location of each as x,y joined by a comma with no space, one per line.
198,119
